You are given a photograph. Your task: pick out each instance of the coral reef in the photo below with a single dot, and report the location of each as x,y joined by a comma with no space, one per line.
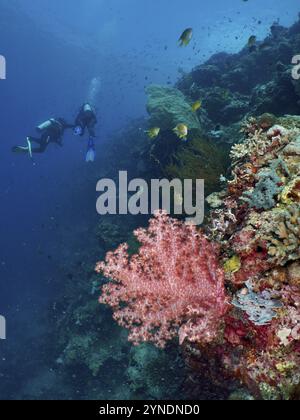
232,88
166,289
260,248
254,221
174,286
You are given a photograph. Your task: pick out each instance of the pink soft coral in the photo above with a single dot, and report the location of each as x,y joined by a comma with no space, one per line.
173,286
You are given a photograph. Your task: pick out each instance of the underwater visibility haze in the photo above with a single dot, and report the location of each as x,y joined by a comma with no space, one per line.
158,89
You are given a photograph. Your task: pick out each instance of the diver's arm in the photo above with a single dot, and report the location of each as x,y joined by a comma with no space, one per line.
67,126
79,120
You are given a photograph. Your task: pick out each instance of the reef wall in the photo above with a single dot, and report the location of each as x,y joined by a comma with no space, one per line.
243,135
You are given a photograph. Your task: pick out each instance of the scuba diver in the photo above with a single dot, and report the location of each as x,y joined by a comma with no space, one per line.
52,131
87,120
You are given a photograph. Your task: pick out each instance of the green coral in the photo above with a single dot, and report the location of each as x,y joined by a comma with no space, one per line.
154,372
87,338
241,395
79,349
199,159
290,121
92,350
268,187
168,107
263,196
110,233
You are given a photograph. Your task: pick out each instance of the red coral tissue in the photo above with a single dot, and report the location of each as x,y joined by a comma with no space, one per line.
173,287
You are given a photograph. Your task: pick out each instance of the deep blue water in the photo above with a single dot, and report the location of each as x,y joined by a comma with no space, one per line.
54,49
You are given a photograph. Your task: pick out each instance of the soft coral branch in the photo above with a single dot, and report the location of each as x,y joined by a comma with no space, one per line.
173,286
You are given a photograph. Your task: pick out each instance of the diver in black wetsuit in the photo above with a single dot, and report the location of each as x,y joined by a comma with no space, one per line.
52,131
86,119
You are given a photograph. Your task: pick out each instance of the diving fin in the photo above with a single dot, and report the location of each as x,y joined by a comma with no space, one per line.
24,149
90,156
91,152
20,149
29,147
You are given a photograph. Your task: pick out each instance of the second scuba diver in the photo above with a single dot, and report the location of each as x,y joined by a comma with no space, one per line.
52,131
87,120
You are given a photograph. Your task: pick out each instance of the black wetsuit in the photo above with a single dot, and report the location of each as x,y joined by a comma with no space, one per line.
86,119
52,134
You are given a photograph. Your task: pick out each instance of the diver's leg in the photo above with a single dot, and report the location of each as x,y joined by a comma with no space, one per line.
91,130
35,140
42,143
41,149
27,148
42,146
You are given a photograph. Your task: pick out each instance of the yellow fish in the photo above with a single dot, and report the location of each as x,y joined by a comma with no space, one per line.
186,37
153,133
181,130
252,41
197,105
233,265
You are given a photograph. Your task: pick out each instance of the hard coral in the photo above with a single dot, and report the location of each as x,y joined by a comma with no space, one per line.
261,340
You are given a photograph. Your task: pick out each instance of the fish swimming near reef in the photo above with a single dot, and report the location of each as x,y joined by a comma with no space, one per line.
181,130
186,37
196,106
252,43
153,133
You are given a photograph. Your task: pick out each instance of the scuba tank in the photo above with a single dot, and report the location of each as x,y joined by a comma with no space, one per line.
45,125
56,125
87,108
